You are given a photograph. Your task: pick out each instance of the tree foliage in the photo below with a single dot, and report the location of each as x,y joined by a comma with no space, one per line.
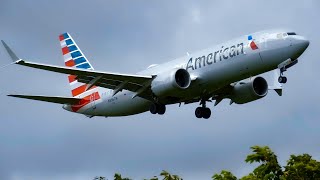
167,176
302,167
99,178
117,176
299,167
224,175
269,167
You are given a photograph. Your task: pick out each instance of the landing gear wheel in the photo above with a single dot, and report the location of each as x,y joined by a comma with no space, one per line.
206,113
161,109
202,112
198,112
153,108
157,108
282,79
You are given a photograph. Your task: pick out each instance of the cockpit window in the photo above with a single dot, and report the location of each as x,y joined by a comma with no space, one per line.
291,33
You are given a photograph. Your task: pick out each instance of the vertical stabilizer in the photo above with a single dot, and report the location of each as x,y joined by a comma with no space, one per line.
74,57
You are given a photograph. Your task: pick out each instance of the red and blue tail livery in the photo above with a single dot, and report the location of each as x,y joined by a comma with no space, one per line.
74,57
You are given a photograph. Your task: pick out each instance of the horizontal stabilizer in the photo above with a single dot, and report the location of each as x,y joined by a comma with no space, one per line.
52,99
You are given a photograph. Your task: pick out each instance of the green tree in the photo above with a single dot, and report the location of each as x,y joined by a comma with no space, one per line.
99,178
154,178
302,167
224,175
269,168
251,176
167,176
117,176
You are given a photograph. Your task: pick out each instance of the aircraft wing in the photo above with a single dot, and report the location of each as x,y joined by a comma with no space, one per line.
137,79
52,99
115,81
136,83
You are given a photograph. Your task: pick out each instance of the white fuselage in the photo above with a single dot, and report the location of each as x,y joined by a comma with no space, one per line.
212,69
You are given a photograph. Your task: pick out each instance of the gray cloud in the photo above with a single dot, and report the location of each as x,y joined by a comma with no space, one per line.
40,140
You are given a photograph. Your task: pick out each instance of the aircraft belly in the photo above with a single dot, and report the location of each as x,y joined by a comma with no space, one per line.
123,105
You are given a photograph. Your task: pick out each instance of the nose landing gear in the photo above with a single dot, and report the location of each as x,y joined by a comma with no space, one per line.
282,79
283,67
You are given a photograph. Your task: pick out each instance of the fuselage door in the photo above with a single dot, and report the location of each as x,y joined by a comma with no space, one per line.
251,56
263,43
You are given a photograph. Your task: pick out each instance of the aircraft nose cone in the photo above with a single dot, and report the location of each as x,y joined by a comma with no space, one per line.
305,43
300,44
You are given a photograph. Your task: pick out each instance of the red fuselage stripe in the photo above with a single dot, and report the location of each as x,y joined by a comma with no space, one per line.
86,100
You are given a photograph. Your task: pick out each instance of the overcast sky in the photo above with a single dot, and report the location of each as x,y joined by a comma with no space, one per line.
42,141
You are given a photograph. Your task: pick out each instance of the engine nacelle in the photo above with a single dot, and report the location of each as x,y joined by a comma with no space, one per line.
250,91
169,83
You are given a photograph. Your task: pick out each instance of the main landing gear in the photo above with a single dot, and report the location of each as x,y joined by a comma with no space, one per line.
203,112
282,79
156,108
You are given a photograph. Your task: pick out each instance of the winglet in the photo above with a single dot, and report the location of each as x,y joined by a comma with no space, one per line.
13,56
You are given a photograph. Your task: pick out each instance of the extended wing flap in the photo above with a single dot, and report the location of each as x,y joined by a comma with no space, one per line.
110,83
52,99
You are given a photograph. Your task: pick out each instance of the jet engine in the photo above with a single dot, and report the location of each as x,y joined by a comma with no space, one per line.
245,92
168,83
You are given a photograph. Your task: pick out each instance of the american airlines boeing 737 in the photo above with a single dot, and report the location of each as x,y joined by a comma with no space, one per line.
229,70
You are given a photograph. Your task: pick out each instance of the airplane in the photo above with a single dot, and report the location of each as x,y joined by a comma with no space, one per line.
230,70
